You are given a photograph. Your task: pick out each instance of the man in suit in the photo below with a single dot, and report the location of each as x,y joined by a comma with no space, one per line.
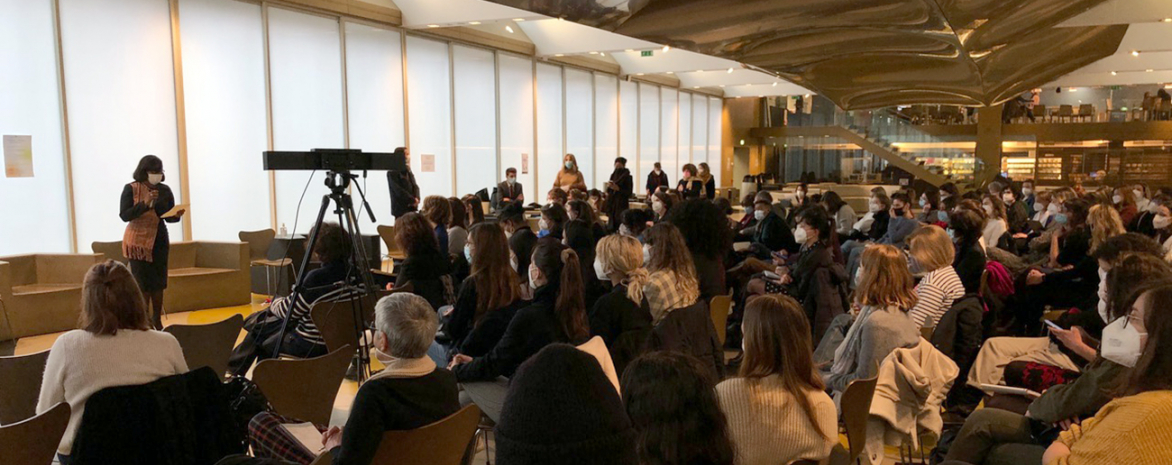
508,191
404,189
619,190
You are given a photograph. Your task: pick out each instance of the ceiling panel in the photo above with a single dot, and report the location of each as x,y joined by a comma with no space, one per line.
1122,12
738,76
765,90
553,36
672,61
425,13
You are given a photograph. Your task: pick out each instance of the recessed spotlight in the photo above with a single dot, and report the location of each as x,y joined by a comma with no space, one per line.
630,50
639,74
559,55
1135,53
509,28
730,71
1149,70
666,49
722,86
774,83
518,20
1167,20
695,87
1114,73
474,23
433,25
594,53
671,72
602,53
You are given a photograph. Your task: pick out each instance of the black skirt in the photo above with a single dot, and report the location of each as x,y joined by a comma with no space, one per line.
152,275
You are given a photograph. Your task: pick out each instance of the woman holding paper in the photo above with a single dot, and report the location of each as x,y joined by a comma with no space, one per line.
146,204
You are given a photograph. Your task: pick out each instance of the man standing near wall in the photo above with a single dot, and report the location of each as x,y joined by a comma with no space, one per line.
404,190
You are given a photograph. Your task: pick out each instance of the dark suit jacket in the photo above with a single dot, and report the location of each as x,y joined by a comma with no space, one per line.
618,201
404,191
505,191
655,182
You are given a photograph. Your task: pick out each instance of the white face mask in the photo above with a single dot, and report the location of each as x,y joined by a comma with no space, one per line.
874,207
1027,191
512,181
951,233
1161,221
1008,198
1053,208
657,207
534,275
1118,199
759,215
801,194
1103,296
646,254
624,230
988,209
1122,342
858,276
1039,207
154,179
598,271
542,225
800,235
569,165
468,253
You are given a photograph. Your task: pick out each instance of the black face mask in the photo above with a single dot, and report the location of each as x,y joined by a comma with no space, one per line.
898,212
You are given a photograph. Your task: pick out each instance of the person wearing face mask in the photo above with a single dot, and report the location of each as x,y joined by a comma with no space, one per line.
709,182
656,180
580,239
427,267
1017,215
509,190
995,225
931,253
621,317
1124,201
1143,222
146,244
771,234
1139,193
1041,207
569,177
556,314
796,203
929,207
619,190
661,204
553,221
521,237
690,186
487,300
1029,194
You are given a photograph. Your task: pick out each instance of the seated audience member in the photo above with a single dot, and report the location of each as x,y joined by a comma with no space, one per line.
1072,277
427,268
581,240
661,203
698,221
556,314
1039,246
302,338
1133,429
509,191
1029,194
996,224
114,347
1145,219
521,238
930,255
557,196
672,282
724,206
799,200
1042,213
1017,212
929,207
965,227
671,401
635,221
437,211
410,393
596,199
622,317
771,234
748,220
900,224
842,213
873,224
475,208
562,409
457,227
553,220
1139,191
1123,199
776,406
949,190
487,300
581,210
885,294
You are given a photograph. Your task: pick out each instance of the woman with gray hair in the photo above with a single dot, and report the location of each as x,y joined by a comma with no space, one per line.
410,393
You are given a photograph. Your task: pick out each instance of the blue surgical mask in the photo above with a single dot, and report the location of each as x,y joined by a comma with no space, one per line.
468,253
569,165
942,216
951,233
1060,218
923,203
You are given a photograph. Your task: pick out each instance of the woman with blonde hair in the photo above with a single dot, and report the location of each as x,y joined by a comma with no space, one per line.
114,347
885,294
672,283
930,256
777,407
569,177
1105,223
708,191
622,317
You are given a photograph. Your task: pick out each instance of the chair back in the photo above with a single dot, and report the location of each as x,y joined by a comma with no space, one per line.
112,250
720,306
441,443
34,441
926,332
1040,111
337,322
1086,110
208,345
1065,110
387,233
856,408
21,386
304,389
258,242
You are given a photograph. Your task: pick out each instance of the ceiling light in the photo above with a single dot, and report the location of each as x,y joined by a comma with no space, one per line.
666,49
509,28
474,23
639,74
594,53
671,72
602,53
518,20
1114,73
1149,70
722,86
1072,89
433,25
695,87
630,50
1167,20
560,55
730,71
774,83
1135,53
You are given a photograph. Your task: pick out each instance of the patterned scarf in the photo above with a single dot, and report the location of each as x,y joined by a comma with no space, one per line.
138,243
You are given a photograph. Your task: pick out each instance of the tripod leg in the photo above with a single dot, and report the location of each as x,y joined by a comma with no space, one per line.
296,292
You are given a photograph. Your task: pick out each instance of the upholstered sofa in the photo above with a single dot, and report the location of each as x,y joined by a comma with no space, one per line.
200,274
41,292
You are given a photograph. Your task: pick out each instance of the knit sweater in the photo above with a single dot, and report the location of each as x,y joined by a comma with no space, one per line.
1132,430
82,363
768,426
935,295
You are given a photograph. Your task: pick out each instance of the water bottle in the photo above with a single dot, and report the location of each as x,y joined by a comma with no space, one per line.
284,232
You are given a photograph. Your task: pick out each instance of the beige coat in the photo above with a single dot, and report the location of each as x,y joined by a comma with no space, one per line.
912,385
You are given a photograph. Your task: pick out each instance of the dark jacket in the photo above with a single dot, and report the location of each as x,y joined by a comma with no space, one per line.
177,420
394,404
1143,224
505,191
1082,397
404,191
1017,217
471,338
709,191
655,182
622,324
775,235
959,335
820,285
618,201
690,188
521,243
430,275
970,265
532,328
689,330
710,273
879,226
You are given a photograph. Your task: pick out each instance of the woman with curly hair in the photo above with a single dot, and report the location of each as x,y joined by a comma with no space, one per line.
1105,223
697,221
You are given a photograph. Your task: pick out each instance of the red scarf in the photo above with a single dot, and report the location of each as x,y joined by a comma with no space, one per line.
138,243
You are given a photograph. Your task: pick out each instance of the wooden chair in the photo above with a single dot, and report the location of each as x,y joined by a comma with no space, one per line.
34,441
258,248
720,307
856,408
441,443
926,332
21,386
208,345
1040,112
304,389
1086,112
387,233
1065,111
337,322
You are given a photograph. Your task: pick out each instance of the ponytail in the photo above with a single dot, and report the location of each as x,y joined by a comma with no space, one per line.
571,307
636,279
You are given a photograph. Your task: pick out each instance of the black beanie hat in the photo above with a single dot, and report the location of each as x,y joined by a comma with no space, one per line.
561,409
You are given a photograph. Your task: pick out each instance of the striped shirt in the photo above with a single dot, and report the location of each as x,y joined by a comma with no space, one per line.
306,329
934,296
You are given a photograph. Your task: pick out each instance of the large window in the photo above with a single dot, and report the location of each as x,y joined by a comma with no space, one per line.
699,125
516,122
120,82
715,107
34,209
685,130
669,123
429,104
227,128
649,131
580,121
549,129
629,131
475,80
606,126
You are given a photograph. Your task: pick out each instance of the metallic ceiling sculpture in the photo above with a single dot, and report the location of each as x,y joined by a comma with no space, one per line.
869,53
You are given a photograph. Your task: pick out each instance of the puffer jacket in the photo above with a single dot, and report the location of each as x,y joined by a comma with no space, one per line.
690,330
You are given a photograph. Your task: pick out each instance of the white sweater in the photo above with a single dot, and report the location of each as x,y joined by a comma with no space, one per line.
82,363
768,426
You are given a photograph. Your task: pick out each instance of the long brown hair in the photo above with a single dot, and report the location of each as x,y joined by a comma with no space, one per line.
560,263
886,279
777,342
111,300
414,235
497,285
458,216
1153,370
670,252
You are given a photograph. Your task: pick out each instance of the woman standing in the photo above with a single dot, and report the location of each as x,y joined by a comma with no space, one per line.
690,186
656,180
570,177
146,243
708,191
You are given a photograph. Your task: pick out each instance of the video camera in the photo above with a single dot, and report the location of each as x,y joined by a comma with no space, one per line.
339,160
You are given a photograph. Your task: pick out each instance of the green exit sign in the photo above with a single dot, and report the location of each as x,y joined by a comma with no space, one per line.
647,53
